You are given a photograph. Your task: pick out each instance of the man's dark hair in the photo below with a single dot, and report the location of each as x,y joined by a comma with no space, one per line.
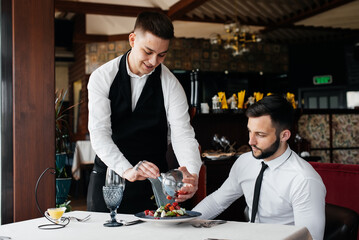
275,106
156,23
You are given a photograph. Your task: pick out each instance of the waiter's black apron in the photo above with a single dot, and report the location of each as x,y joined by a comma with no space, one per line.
140,135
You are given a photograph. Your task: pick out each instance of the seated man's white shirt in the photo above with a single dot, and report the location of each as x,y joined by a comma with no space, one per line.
292,192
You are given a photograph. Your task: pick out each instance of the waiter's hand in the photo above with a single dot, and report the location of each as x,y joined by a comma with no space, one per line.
190,187
143,170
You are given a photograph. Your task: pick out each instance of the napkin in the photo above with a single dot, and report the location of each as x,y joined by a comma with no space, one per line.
241,95
223,100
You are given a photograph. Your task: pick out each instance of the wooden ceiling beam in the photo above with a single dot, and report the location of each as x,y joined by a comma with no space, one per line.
179,9
206,19
101,9
310,12
91,38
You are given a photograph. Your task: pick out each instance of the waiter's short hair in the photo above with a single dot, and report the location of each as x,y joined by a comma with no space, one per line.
156,23
277,107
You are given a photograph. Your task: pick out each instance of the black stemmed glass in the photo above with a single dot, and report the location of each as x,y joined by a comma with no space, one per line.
112,194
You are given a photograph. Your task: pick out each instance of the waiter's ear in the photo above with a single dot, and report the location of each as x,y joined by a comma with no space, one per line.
131,39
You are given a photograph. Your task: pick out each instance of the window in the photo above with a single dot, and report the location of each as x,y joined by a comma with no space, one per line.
322,98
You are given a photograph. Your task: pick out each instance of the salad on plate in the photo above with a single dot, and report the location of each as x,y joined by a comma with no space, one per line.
169,210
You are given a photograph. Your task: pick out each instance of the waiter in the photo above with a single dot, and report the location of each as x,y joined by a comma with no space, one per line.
134,102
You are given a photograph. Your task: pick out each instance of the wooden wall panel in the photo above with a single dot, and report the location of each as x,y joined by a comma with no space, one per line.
33,104
77,73
7,198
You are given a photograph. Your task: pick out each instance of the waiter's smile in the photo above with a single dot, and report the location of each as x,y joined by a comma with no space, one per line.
148,66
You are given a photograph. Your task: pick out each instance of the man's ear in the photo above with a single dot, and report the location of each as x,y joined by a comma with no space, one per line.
131,39
285,135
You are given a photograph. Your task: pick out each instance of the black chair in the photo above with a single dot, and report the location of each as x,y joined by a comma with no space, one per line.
341,223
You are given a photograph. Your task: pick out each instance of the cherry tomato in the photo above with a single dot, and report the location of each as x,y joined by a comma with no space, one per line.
169,197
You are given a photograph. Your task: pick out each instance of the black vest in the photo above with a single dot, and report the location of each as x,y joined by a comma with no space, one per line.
140,134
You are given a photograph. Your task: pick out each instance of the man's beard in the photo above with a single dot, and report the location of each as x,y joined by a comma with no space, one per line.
266,153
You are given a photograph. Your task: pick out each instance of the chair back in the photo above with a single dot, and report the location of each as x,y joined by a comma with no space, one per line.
341,223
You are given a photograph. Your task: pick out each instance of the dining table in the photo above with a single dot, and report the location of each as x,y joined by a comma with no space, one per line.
93,228
83,155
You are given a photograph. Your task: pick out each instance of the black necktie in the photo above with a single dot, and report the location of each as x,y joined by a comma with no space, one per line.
257,190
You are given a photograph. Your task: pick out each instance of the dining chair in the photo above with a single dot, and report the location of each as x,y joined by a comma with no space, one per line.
340,222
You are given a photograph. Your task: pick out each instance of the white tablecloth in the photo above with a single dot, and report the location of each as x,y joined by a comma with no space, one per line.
94,229
84,154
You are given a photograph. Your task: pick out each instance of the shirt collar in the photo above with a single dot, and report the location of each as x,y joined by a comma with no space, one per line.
131,74
273,164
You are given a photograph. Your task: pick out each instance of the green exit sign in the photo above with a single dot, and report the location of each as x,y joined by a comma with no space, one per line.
319,80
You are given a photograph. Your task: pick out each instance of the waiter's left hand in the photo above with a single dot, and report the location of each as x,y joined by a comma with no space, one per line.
190,187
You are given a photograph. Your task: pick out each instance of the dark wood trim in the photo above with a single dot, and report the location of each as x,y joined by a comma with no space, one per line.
92,38
331,138
101,9
328,111
7,198
327,5
182,7
33,105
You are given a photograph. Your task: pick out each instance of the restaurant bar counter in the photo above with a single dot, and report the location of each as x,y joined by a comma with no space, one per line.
94,229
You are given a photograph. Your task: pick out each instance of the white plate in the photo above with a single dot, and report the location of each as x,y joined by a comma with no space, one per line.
190,216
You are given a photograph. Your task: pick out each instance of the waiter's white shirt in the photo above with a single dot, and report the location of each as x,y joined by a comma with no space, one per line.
182,134
292,192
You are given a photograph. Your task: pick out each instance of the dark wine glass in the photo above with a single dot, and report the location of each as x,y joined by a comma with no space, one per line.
112,194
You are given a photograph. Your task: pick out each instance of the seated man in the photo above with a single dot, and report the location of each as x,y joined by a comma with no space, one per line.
291,191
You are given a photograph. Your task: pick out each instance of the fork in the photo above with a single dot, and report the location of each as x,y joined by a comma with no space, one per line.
79,219
208,224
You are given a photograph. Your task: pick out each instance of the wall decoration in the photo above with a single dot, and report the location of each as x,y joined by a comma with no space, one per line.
346,128
315,128
340,144
188,54
346,156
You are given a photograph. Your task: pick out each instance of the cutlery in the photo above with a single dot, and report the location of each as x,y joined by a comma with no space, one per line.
216,239
208,224
78,219
126,223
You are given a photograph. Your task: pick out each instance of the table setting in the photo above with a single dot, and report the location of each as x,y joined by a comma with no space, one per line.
93,229
167,222
223,149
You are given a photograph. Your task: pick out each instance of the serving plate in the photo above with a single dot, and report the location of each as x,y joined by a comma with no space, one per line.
218,157
190,216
